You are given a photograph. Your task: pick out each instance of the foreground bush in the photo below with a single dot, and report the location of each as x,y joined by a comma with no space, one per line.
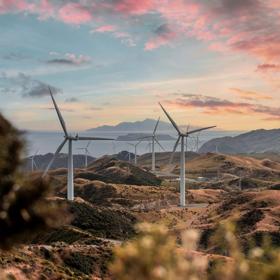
154,255
23,208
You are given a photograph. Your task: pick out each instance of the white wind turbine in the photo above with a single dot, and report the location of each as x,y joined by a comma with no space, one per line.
68,138
154,140
128,152
182,136
86,153
135,151
33,162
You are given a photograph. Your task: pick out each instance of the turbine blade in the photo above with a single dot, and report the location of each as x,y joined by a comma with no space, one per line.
54,157
159,144
93,138
174,150
155,129
200,129
61,120
171,120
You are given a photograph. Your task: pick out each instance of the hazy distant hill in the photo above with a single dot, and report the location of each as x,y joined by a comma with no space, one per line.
256,141
145,125
137,136
41,161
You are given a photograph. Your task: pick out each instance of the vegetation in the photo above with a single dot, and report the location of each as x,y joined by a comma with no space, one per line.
23,207
154,255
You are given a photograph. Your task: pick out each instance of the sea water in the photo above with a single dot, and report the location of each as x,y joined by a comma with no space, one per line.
47,142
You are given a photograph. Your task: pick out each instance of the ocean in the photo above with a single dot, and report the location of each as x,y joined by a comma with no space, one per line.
47,142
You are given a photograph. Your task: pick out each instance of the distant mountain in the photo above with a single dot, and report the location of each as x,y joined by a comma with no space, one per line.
137,136
41,161
145,125
256,141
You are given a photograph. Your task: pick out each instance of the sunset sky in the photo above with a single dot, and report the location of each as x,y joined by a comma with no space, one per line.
209,62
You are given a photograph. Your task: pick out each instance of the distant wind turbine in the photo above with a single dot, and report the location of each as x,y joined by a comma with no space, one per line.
154,139
68,138
33,162
86,153
181,137
128,153
135,150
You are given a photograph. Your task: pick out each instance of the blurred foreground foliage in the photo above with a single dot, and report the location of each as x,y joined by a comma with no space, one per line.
154,255
24,209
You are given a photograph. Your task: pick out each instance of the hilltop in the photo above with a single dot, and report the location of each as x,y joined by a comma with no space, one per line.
41,161
145,125
137,136
256,141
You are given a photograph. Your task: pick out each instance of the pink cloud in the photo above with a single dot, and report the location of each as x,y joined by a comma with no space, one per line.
13,5
105,28
250,95
211,105
268,67
134,7
244,26
74,13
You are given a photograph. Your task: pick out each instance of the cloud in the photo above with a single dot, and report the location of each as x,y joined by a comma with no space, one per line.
71,100
266,67
125,38
243,26
105,28
134,7
162,36
26,86
250,95
70,59
213,105
14,56
74,13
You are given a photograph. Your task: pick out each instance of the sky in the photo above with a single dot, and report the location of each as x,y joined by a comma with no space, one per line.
208,62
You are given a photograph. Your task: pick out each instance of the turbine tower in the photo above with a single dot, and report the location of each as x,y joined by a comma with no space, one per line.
86,153
182,137
68,138
154,139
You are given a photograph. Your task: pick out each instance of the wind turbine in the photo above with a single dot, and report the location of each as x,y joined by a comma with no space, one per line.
68,138
33,162
86,154
154,140
128,154
135,151
182,137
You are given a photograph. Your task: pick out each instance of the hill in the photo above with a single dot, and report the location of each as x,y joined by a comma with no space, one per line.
137,136
111,196
145,125
162,159
111,170
41,161
257,141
